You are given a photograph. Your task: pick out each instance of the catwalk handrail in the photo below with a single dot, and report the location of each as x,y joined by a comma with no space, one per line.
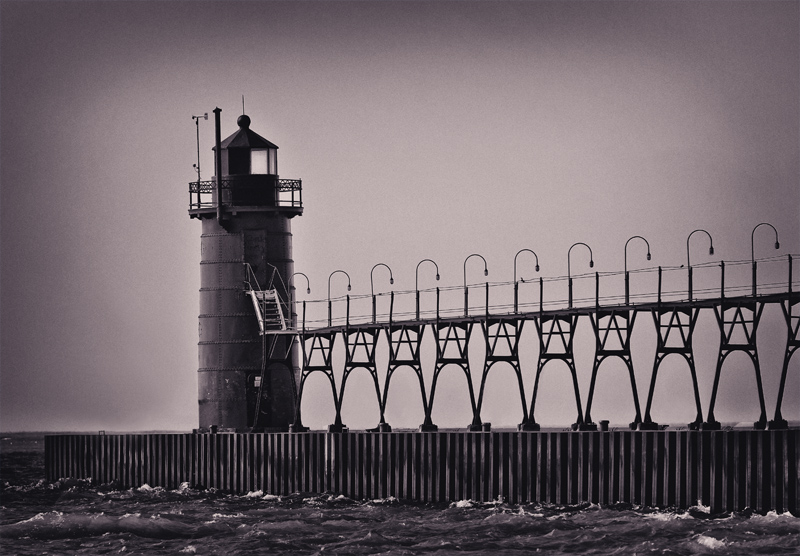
510,290
201,192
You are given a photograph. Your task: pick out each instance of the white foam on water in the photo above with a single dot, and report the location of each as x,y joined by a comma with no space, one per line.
711,542
667,516
389,500
699,507
773,516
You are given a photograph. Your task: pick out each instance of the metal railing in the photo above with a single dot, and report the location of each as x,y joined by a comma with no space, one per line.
246,191
712,280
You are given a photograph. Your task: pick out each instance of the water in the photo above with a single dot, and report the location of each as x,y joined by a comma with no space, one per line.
78,517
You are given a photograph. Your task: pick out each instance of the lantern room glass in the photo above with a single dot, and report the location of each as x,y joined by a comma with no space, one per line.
263,161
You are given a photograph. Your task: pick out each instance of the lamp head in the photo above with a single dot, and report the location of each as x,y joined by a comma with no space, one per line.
537,268
308,290
348,287
591,264
437,277
648,256
486,272
711,250
391,280
777,245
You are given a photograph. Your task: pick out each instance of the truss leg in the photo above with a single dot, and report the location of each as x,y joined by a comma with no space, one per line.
337,425
698,421
574,372
711,423
383,426
648,420
382,399
638,419
297,426
779,423
532,424
761,424
588,424
476,424
522,426
476,419
427,425
792,343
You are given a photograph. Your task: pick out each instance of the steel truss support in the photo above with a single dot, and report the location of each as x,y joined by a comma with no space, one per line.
792,344
562,329
675,328
317,350
501,337
738,324
612,332
452,341
404,350
359,354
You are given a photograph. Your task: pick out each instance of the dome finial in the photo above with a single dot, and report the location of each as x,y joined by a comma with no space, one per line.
243,121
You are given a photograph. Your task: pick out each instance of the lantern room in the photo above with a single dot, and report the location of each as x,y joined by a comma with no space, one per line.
247,153
246,167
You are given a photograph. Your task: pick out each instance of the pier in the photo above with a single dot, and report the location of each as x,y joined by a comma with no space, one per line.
726,470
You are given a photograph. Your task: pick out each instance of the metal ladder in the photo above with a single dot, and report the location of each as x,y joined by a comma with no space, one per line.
269,312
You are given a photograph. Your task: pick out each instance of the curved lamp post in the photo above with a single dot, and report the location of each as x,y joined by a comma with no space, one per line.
329,290
308,290
516,286
569,271
688,263
627,277
416,279
372,285
466,290
753,251
308,283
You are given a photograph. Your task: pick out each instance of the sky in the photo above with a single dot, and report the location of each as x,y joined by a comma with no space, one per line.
420,130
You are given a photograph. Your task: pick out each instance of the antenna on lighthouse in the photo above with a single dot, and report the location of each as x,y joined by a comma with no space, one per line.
197,124
242,105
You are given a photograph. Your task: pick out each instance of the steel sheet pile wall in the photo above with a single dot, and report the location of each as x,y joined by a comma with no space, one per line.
728,470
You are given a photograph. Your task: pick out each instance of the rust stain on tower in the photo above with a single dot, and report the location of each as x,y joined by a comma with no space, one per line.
247,368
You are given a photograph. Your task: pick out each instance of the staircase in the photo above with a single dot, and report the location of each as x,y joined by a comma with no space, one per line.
269,312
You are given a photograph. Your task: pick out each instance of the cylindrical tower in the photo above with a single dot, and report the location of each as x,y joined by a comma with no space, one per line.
247,370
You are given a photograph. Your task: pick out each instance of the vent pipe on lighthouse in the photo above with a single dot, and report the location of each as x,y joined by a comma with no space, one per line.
218,163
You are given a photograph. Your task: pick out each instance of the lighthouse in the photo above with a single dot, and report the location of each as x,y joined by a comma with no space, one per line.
248,363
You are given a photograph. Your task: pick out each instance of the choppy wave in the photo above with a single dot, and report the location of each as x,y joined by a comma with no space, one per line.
153,520
81,517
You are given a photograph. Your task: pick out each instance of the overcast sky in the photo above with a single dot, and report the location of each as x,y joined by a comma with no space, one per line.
420,130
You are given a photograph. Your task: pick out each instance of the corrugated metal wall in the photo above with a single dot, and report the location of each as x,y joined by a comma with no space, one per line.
727,470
